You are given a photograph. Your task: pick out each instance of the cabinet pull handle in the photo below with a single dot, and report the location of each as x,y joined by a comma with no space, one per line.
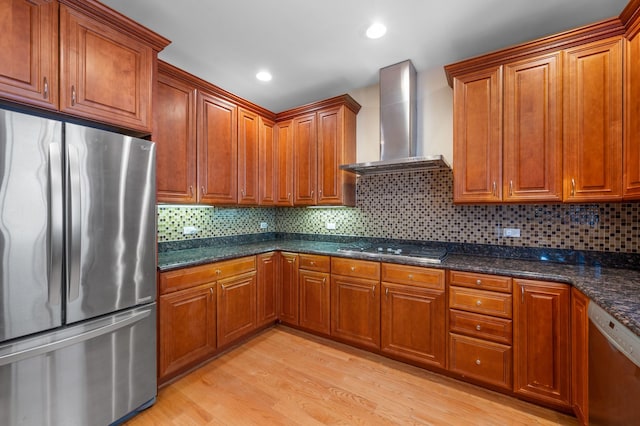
73,95
288,196
478,302
573,187
522,294
312,192
373,292
202,189
45,94
494,189
191,190
510,188
386,291
324,280
242,192
211,290
479,282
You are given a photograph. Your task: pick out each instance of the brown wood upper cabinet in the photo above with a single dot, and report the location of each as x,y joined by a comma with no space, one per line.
29,68
174,130
593,121
284,163
106,61
562,110
631,189
267,162
323,137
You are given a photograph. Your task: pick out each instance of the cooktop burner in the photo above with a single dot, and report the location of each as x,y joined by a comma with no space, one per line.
386,251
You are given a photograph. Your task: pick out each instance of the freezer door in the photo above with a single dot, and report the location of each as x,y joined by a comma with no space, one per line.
88,374
111,222
30,224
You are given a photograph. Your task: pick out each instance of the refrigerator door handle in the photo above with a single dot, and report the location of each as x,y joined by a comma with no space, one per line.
75,222
101,330
56,223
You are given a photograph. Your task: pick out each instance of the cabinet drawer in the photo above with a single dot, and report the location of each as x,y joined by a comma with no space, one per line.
482,302
190,277
482,360
413,275
480,281
481,326
314,262
355,268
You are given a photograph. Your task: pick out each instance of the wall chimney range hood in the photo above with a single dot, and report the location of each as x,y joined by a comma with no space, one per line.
398,126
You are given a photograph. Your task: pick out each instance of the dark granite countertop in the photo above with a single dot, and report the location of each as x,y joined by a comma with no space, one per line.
616,290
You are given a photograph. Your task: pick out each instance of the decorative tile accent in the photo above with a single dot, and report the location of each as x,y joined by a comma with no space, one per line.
418,205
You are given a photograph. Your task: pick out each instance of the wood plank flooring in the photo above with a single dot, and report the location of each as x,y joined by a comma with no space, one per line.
286,377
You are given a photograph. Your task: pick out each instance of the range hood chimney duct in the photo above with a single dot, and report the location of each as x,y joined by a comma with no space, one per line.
398,125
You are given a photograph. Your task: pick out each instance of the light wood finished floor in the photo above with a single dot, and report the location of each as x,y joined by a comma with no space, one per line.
286,377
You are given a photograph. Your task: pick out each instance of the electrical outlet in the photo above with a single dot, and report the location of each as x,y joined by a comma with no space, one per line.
511,232
264,225
189,230
330,225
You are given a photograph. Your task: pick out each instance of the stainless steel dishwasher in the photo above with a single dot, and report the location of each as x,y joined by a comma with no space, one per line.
614,371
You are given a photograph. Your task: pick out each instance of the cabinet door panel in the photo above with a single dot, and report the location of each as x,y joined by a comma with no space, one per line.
29,48
267,163
413,323
284,167
632,120
175,138
477,137
105,75
248,149
267,303
330,144
355,310
217,150
541,341
314,301
593,122
236,307
532,146
289,306
580,355
305,160
187,329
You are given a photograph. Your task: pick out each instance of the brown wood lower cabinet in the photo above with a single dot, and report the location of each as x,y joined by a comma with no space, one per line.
413,314
314,286
355,302
267,291
187,329
580,355
542,363
480,359
236,307
289,307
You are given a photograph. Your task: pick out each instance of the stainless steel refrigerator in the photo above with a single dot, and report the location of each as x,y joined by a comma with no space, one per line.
77,273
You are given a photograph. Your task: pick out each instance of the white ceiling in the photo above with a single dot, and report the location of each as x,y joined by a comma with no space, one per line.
317,49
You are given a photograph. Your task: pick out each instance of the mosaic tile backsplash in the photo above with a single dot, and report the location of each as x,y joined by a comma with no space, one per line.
418,205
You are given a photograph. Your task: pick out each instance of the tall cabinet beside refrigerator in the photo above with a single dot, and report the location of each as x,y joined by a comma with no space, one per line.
77,273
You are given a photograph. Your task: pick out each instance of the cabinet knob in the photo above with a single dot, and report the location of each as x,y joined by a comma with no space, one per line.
478,362
312,263
218,271
478,302
479,282
411,276
478,327
353,268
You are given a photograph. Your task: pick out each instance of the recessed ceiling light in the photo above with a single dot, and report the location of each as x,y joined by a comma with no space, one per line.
376,30
264,76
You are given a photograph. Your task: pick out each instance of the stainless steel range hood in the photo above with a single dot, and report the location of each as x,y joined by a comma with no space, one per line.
398,126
